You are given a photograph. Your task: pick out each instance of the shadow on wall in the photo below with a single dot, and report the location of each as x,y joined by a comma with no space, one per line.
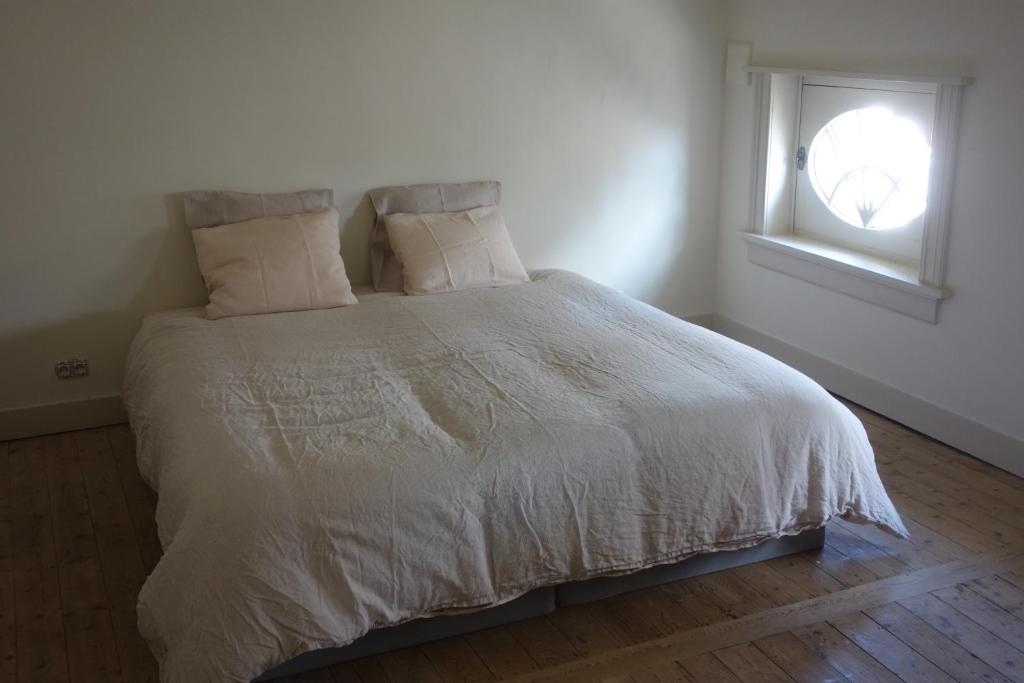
358,217
157,262
649,226
64,340
147,278
636,237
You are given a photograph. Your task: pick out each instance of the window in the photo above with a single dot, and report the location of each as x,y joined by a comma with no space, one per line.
852,182
869,167
864,182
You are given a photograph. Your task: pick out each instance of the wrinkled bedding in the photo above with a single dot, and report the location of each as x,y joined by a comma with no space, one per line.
323,473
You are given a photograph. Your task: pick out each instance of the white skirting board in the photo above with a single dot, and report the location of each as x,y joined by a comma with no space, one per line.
66,416
984,443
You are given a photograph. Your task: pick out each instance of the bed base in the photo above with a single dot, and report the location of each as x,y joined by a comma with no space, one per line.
543,601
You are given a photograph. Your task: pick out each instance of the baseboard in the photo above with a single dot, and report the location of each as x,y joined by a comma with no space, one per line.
984,443
66,416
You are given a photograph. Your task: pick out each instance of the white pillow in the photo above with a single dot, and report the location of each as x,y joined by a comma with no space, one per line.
445,252
266,265
426,198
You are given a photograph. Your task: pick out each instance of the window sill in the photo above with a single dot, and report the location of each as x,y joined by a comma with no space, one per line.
875,280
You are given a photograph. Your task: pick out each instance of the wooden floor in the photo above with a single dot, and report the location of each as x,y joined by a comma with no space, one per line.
77,539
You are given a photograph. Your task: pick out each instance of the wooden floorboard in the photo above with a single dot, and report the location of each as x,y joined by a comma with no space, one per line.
945,653
784,618
8,646
794,657
545,643
120,558
749,664
908,664
78,537
40,632
88,625
139,498
844,655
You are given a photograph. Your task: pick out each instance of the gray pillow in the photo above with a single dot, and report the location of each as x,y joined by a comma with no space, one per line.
205,209
429,198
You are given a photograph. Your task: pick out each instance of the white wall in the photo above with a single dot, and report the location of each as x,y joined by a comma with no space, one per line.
972,362
600,117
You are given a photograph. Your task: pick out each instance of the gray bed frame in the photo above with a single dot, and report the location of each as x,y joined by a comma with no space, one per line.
543,601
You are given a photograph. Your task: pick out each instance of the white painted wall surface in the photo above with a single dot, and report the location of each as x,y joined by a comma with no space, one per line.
972,362
600,117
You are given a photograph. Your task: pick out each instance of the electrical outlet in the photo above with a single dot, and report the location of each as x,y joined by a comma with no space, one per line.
71,369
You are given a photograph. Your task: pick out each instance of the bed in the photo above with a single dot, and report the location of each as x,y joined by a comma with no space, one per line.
331,473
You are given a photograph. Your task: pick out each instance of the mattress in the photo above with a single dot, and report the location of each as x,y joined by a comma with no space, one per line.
324,473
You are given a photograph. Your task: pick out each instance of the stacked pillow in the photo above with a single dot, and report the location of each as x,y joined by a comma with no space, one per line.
267,253
264,261
442,238
445,252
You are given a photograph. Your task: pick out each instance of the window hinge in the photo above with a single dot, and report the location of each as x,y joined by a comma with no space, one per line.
801,158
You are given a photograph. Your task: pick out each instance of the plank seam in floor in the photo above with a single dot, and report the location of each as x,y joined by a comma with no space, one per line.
778,619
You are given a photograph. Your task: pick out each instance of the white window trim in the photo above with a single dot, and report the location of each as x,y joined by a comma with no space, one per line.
878,281
914,291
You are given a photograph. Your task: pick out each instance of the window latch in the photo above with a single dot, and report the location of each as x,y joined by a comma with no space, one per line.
801,158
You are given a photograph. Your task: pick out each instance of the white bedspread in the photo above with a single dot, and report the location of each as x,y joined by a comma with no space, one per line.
327,472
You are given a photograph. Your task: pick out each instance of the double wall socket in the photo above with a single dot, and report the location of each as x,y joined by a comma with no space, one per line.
71,369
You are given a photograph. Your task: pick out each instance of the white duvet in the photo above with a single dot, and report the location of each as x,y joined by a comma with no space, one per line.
327,472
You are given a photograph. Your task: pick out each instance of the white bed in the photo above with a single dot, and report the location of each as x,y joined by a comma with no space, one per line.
324,473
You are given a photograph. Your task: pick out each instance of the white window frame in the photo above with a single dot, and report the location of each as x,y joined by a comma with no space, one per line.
916,291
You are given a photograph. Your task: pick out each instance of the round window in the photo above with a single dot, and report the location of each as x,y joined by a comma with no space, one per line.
870,168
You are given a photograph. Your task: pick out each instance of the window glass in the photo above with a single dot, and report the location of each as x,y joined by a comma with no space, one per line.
864,185
870,168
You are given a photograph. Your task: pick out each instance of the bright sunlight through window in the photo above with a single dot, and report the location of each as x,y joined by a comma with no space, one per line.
870,168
